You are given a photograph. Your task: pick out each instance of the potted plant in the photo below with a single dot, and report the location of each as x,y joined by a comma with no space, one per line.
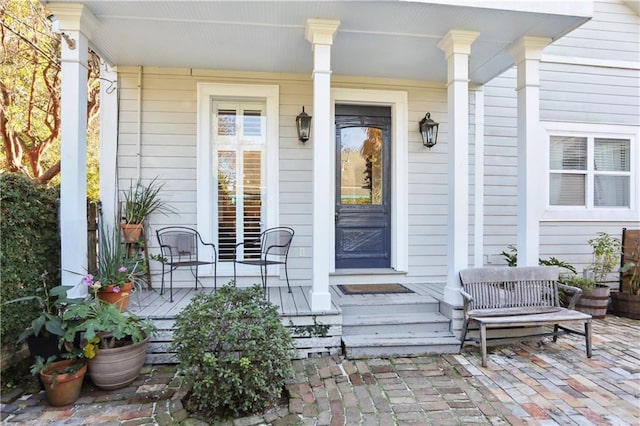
62,379
140,201
114,278
626,302
45,331
594,298
114,342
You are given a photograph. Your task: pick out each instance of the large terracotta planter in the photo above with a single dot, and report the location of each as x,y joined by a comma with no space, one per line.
63,388
594,302
116,368
626,305
121,298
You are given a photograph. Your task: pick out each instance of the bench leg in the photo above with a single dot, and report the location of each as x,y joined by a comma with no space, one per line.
463,336
483,343
587,337
556,328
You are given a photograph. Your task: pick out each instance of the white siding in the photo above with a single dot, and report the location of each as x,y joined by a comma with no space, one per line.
602,85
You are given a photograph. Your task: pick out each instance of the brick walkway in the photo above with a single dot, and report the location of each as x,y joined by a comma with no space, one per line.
524,384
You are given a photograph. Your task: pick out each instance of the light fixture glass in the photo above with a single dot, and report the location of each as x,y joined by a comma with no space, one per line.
429,131
303,124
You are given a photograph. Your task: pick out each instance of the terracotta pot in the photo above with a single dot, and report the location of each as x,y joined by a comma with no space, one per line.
63,388
116,368
594,302
131,231
626,305
121,298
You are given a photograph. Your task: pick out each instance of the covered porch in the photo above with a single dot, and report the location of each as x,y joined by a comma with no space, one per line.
409,323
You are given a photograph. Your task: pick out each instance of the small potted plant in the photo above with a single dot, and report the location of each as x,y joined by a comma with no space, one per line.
114,342
62,379
114,279
140,201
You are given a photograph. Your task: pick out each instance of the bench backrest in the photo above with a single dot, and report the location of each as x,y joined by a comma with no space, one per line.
511,287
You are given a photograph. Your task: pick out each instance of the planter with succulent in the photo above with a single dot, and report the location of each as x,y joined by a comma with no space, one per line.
62,379
626,302
114,342
140,201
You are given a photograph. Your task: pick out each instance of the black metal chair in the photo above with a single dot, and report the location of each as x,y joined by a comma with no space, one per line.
179,248
271,249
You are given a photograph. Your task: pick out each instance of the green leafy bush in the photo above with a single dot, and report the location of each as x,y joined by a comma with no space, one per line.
234,350
29,248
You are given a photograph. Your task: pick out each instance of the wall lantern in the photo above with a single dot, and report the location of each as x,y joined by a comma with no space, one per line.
429,131
303,124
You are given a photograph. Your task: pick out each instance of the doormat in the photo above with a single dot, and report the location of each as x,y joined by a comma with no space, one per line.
351,289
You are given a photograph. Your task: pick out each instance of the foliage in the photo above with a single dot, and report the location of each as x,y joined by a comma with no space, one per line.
233,348
51,302
52,367
103,326
29,247
141,200
631,269
30,90
512,260
606,254
316,329
584,283
114,269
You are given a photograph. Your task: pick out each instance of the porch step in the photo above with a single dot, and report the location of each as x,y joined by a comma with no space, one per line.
394,325
390,324
405,344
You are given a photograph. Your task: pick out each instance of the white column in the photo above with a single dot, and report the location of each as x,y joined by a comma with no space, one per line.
75,23
478,180
108,144
526,53
320,33
457,48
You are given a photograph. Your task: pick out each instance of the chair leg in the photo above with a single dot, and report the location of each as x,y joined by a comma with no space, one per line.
215,277
234,273
196,275
286,274
587,337
162,281
171,285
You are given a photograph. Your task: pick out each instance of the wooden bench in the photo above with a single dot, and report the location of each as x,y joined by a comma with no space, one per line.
508,297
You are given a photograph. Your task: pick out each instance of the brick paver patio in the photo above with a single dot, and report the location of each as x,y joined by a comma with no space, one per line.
524,384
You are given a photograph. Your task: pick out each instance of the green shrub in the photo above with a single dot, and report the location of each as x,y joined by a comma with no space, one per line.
234,350
29,248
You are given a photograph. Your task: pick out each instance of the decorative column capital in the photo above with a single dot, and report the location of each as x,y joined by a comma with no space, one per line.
528,48
74,17
457,41
321,31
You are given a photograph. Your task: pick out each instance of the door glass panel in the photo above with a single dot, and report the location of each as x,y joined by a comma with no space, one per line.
361,165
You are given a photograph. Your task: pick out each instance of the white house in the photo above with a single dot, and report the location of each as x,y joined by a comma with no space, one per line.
538,105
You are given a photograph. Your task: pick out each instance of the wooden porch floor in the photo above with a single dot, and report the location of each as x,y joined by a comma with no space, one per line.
151,304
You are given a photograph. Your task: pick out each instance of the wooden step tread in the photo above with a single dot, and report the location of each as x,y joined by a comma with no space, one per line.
403,339
398,318
386,299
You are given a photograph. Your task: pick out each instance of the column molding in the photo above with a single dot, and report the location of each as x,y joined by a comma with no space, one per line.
527,52
321,33
456,45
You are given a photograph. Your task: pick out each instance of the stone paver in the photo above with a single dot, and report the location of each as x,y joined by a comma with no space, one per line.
524,384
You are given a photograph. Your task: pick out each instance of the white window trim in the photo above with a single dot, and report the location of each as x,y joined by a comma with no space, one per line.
569,213
398,101
206,178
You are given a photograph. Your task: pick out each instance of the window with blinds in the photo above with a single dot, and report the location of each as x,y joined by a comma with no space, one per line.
589,172
239,150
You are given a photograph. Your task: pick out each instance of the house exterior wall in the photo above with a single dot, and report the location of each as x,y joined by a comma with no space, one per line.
589,78
166,147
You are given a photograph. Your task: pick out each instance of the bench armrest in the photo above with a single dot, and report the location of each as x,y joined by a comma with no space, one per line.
466,299
575,291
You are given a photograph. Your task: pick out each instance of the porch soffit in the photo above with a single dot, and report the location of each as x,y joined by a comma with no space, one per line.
394,39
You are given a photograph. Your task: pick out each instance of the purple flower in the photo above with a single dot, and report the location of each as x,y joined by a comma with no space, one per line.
88,279
116,289
122,269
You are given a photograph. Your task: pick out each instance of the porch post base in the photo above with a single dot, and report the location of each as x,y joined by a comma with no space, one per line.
320,301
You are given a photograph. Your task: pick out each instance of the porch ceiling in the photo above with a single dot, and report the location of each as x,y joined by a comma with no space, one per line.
396,39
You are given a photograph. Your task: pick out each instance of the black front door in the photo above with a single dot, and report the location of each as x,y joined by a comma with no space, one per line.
362,216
